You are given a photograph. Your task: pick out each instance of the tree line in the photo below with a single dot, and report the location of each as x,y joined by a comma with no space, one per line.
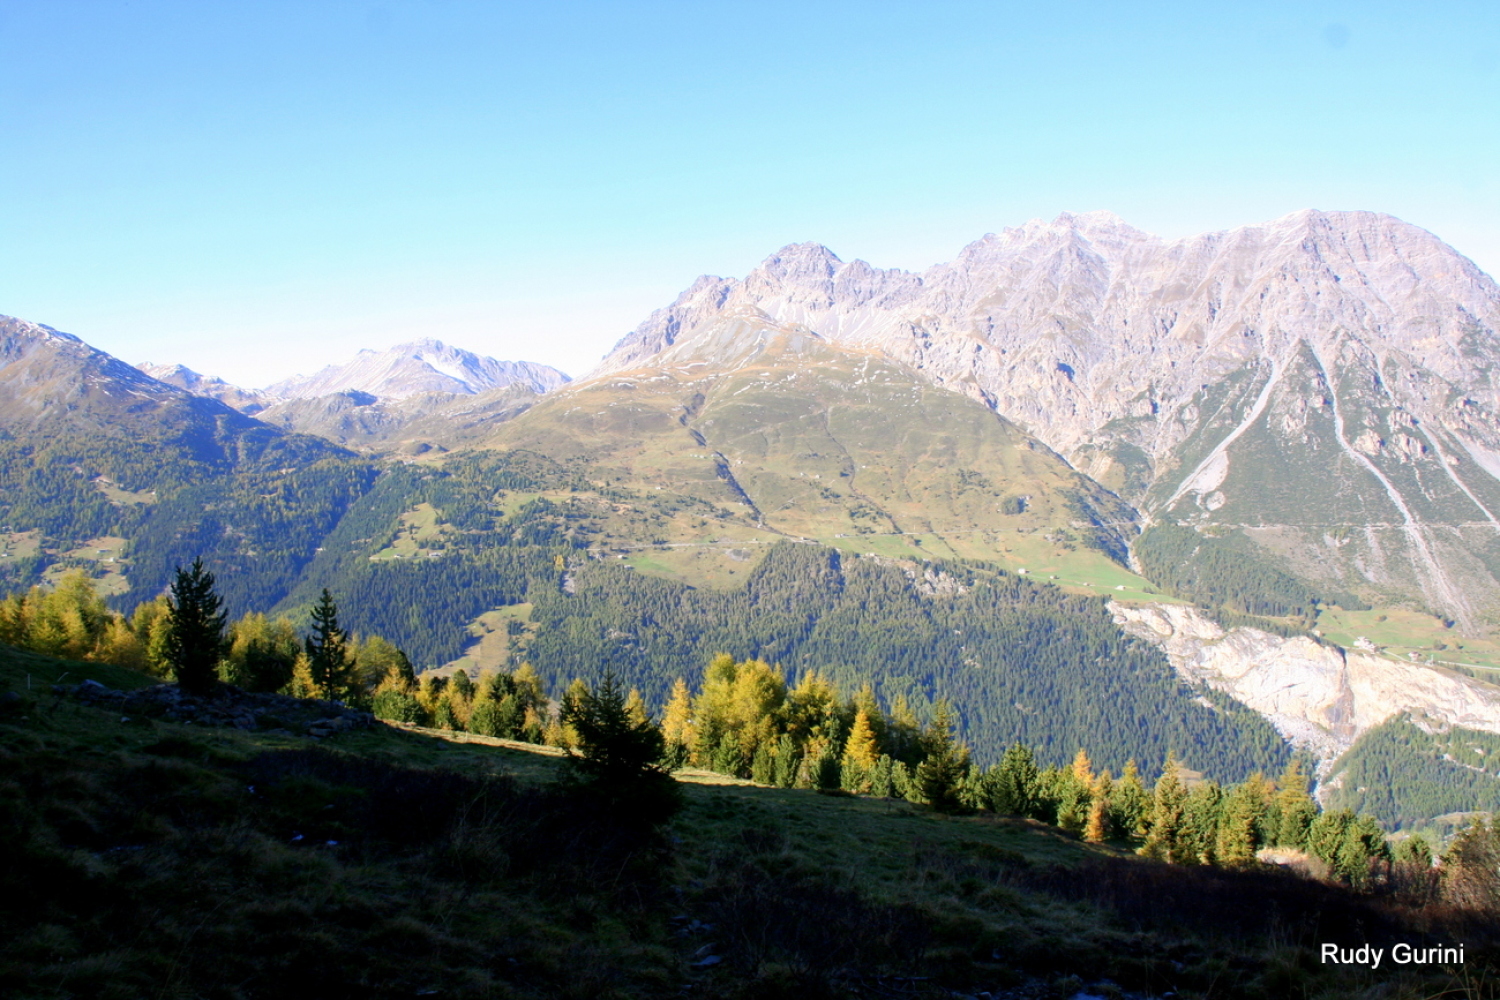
745,719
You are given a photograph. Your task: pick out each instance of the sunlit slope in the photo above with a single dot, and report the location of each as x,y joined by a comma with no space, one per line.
800,440
1319,465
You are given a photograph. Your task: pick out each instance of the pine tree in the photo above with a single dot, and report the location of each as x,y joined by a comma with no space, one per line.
327,652
195,629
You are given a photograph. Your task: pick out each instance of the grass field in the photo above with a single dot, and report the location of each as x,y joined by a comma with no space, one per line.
1400,633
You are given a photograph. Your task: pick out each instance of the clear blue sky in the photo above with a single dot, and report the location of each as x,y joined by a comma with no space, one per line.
259,188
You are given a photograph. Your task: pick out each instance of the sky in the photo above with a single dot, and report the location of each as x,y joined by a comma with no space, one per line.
258,189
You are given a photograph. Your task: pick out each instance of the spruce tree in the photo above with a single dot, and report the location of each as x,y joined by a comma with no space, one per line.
1163,842
617,759
1238,824
940,775
195,629
1131,806
327,650
1200,824
1011,786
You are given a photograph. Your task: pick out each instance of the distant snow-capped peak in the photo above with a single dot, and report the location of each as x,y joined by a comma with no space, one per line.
425,365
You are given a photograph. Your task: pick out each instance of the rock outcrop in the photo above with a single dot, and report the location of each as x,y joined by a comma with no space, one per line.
228,707
1320,697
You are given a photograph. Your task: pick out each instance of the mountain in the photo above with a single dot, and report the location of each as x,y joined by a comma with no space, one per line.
247,401
924,482
418,367
1313,396
105,469
53,383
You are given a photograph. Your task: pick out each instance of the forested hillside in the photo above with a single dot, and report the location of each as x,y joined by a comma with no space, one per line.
1404,774
1018,660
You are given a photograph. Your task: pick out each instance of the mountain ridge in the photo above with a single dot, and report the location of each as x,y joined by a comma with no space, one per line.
419,366
1346,350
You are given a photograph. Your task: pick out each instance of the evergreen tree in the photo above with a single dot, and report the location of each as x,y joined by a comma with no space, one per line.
395,699
1011,786
1238,836
151,623
617,758
1072,793
1295,808
195,629
1414,850
1198,841
262,653
1471,868
942,770
1131,806
1163,841
328,660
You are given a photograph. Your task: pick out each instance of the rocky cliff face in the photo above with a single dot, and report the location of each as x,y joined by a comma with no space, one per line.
1319,697
1321,383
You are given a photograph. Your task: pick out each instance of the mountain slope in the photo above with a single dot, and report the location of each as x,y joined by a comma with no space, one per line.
1325,374
99,461
800,439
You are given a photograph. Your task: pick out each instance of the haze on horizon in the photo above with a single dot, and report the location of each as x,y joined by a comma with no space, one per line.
258,191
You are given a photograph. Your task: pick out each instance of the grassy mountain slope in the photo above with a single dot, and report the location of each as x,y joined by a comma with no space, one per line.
806,442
